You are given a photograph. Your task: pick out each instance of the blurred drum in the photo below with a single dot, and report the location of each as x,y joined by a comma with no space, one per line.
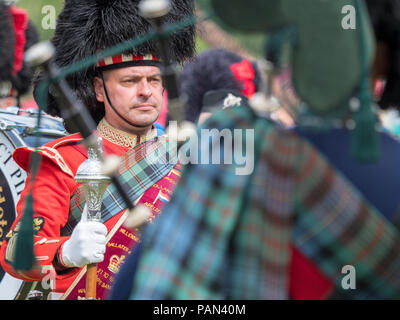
16,131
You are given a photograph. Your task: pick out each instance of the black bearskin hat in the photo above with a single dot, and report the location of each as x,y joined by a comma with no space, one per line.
22,81
216,69
7,41
385,18
17,73
85,27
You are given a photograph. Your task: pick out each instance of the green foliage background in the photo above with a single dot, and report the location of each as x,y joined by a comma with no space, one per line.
35,8
253,43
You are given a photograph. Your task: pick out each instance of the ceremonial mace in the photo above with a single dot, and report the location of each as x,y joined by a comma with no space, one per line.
90,175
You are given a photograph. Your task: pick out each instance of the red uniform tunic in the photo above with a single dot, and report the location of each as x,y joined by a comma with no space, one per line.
52,191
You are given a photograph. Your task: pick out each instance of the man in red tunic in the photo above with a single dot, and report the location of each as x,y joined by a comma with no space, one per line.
124,94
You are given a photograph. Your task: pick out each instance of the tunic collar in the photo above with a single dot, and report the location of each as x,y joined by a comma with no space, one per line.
120,137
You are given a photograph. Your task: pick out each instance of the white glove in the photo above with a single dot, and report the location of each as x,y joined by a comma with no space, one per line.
86,245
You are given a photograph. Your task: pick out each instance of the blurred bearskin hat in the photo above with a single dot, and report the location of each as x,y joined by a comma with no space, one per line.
22,81
385,18
85,27
217,69
17,34
7,40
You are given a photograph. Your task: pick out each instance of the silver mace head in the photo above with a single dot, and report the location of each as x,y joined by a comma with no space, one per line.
90,175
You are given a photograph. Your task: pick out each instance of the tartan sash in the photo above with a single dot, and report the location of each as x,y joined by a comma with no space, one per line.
140,168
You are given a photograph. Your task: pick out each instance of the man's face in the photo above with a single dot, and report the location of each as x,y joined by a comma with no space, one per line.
136,93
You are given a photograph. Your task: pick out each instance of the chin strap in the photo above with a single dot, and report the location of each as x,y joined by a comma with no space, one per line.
112,106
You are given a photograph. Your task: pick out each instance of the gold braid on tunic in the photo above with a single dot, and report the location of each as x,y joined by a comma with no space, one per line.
120,137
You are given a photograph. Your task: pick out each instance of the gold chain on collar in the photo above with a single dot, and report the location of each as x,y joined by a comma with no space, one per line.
120,137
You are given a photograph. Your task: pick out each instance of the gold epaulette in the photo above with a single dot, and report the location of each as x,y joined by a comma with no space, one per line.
22,155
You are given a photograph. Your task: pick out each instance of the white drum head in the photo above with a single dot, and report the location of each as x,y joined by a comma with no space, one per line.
14,133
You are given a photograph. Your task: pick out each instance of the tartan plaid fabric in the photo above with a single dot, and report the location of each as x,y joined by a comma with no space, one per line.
225,236
140,168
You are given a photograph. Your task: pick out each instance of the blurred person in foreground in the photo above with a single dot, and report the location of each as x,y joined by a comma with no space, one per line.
321,198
